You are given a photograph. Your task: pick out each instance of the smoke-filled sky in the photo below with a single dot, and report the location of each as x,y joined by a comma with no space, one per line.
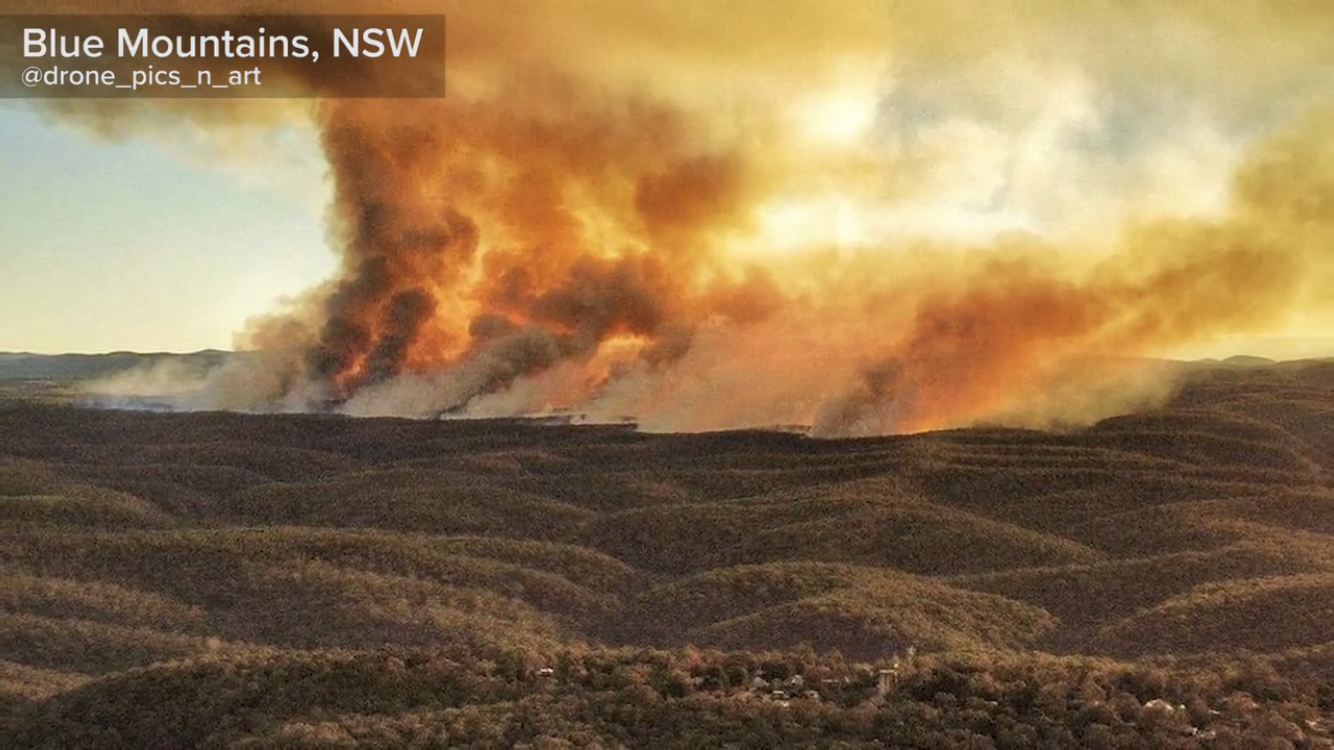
863,216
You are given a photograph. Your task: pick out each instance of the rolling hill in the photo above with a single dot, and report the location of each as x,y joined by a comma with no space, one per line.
430,567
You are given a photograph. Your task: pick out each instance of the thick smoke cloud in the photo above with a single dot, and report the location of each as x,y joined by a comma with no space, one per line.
869,218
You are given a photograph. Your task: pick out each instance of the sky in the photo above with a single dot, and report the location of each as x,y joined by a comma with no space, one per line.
171,240
126,244
123,244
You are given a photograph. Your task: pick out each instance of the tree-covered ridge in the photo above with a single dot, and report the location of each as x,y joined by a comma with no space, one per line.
688,698
1187,551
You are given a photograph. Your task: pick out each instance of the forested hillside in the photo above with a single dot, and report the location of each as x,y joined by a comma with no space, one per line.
227,579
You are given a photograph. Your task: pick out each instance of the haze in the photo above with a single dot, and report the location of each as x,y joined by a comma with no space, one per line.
870,218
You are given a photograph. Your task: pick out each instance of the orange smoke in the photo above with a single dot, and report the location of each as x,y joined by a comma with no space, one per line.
586,222
596,226
987,343
526,324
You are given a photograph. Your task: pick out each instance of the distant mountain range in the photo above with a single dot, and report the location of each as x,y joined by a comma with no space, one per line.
29,366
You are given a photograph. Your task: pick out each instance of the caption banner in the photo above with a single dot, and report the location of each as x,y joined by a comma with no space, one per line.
189,56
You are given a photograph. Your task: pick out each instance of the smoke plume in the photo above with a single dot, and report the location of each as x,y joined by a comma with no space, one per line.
869,218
